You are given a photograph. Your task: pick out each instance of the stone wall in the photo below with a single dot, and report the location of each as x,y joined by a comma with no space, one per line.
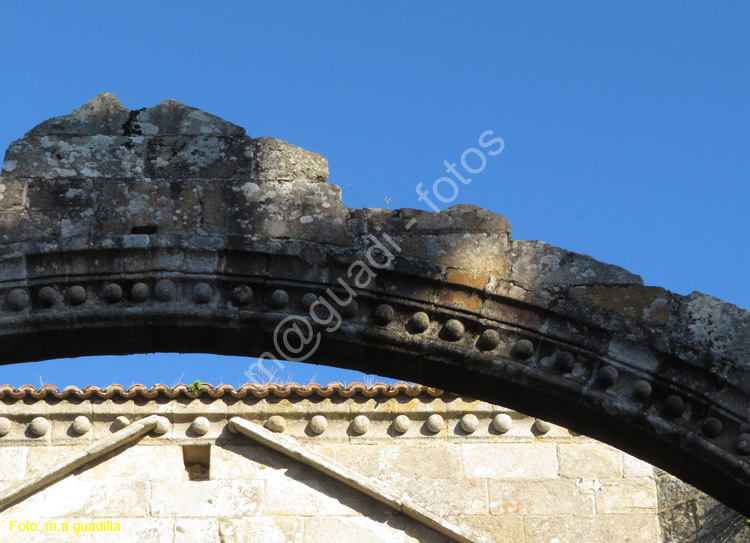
493,470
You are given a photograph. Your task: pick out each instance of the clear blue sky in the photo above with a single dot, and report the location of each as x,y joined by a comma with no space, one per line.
627,125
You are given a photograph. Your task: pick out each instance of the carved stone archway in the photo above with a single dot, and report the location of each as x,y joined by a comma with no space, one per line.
167,229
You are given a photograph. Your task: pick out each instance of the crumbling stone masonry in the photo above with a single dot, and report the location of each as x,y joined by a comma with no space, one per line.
168,229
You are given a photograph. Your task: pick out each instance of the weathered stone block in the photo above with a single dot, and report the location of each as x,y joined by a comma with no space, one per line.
12,192
536,263
626,496
479,252
458,219
116,405
171,117
202,157
125,207
12,265
277,160
673,491
511,460
13,463
447,496
589,460
73,497
143,529
156,463
303,210
268,530
500,529
392,462
647,305
598,529
634,353
230,460
202,530
364,458
316,495
541,497
466,278
60,194
22,225
103,114
423,461
714,326
460,298
42,458
634,467
207,498
77,157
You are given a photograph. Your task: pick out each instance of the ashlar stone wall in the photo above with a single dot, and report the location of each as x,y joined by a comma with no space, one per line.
502,475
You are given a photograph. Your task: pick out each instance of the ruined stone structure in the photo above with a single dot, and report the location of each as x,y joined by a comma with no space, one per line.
168,229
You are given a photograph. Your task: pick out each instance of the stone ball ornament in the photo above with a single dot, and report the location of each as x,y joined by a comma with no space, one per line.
5,426
401,423
360,424
318,424
81,425
435,423
200,426
502,423
276,423
469,423
39,426
17,299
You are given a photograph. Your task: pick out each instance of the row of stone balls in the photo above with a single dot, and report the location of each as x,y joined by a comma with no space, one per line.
435,423
40,426
502,423
164,290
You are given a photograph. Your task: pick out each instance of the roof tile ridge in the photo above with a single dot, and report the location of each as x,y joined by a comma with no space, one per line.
256,390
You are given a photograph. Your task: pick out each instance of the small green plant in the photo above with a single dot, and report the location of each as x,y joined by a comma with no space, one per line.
196,387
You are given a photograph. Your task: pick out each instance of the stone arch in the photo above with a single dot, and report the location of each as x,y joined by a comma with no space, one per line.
168,229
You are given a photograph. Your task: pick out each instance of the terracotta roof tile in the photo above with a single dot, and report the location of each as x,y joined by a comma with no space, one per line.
252,390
